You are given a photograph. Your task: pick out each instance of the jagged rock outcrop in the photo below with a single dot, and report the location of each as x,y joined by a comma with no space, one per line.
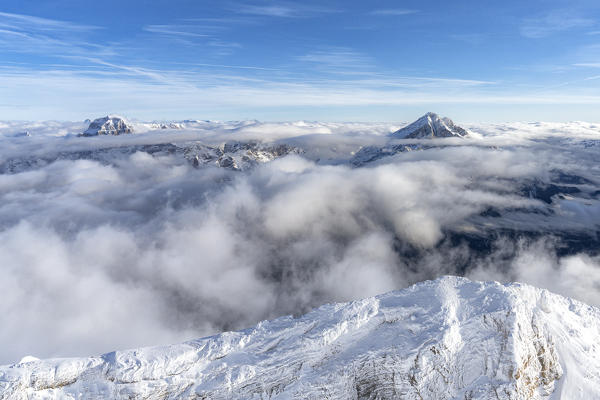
233,155
430,126
368,154
237,155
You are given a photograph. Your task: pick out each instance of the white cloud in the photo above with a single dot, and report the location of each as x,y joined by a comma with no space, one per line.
576,276
281,10
553,22
271,11
394,12
338,60
141,250
32,23
29,34
587,65
174,30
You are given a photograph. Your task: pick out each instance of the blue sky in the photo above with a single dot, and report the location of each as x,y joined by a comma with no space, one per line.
287,60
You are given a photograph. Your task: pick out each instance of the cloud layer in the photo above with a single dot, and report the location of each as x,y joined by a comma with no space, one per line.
146,250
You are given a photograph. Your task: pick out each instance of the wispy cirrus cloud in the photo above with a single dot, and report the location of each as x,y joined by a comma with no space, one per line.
32,23
154,93
248,67
22,42
220,24
281,10
425,82
139,85
393,11
271,11
338,60
553,22
29,34
191,35
175,30
588,65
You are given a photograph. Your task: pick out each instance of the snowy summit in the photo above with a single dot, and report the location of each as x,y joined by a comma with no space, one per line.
444,339
109,125
430,126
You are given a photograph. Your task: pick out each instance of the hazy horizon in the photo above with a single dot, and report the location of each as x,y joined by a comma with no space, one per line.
411,117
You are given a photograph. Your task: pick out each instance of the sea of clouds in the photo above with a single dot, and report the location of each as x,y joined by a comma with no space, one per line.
145,250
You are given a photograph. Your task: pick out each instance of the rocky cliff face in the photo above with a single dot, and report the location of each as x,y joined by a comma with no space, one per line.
444,339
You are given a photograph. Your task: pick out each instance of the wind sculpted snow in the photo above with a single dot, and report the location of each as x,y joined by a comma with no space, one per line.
444,339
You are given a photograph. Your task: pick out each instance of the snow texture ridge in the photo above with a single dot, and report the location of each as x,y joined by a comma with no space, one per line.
445,339
430,126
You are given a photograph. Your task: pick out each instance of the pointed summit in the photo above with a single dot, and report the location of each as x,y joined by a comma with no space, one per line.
430,126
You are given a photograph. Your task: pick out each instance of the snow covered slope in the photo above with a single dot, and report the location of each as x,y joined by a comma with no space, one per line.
445,339
430,126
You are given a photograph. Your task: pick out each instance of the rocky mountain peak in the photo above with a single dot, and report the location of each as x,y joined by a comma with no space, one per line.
109,125
430,126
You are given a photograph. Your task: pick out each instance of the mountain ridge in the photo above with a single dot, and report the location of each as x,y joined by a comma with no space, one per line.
441,339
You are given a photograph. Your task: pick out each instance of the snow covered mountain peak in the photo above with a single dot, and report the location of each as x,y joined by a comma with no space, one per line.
109,125
444,339
430,125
